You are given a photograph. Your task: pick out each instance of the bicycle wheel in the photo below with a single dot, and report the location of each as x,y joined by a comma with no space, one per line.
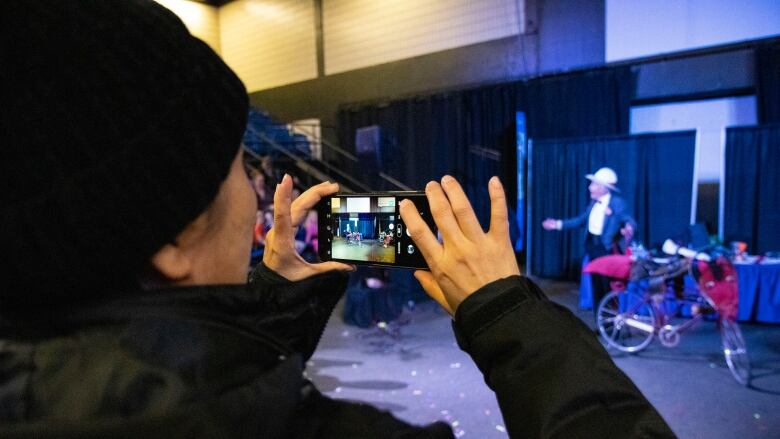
626,321
735,351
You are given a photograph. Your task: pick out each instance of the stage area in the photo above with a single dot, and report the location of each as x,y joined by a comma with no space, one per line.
415,370
364,250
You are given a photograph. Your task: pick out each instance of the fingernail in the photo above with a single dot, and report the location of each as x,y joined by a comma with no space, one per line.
429,186
286,177
447,179
403,202
495,182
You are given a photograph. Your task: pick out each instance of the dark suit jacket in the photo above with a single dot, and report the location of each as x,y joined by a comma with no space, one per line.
612,222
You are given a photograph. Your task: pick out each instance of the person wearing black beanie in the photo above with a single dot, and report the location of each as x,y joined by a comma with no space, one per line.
118,128
125,228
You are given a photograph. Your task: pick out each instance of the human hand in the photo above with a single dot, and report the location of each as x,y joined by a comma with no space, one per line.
280,255
550,224
468,258
627,231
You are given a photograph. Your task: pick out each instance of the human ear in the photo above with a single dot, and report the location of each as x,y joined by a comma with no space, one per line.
172,263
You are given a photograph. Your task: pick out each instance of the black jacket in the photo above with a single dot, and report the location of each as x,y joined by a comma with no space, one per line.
227,361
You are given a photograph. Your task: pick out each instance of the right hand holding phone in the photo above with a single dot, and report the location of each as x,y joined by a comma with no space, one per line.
468,258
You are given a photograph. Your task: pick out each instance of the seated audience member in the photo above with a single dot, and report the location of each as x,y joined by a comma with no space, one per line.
310,225
258,240
268,216
295,193
258,237
300,237
149,327
268,169
264,196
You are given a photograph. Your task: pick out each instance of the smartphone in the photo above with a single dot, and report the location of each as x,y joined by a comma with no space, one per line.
367,229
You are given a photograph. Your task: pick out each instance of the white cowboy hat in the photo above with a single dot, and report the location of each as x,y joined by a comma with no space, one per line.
605,177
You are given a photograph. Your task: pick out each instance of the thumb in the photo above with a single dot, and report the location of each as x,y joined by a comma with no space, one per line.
431,287
333,265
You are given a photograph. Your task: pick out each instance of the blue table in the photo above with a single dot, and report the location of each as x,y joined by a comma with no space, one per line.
759,292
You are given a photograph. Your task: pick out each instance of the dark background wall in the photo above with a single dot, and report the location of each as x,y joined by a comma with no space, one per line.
694,76
560,35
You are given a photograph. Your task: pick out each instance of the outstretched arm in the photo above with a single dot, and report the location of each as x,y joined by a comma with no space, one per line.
577,221
568,223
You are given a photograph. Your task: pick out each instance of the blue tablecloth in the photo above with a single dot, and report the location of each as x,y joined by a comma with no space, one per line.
759,292
586,290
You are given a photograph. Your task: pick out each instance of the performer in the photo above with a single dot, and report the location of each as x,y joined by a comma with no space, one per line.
387,237
607,220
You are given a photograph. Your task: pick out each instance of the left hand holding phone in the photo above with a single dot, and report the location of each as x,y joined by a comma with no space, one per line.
468,258
280,255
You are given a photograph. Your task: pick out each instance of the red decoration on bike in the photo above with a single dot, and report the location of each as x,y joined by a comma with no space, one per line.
614,266
718,281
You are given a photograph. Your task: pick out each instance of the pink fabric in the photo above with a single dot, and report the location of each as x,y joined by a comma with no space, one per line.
724,291
614,266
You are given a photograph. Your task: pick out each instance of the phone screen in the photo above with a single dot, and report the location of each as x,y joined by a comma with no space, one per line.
367,229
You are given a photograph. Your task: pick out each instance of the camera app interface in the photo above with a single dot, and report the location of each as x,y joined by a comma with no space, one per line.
363,228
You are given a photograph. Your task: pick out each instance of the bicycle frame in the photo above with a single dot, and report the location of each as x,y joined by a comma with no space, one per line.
651,315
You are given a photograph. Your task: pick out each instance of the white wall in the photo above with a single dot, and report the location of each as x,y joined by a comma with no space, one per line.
709,117
269,42
361,33
201,20
358,204
638,28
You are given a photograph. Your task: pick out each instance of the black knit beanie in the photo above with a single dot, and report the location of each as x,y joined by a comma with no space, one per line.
117,129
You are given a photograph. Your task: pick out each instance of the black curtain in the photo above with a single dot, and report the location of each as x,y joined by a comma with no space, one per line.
592,103
366,225
752,204
465,134
655,177
470,134
768,83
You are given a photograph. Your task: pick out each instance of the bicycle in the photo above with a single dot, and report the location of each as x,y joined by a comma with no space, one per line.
640,308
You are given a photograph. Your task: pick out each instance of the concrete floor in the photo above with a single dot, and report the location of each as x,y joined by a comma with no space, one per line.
414,369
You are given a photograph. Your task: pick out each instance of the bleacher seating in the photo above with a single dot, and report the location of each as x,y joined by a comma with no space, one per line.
265,136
